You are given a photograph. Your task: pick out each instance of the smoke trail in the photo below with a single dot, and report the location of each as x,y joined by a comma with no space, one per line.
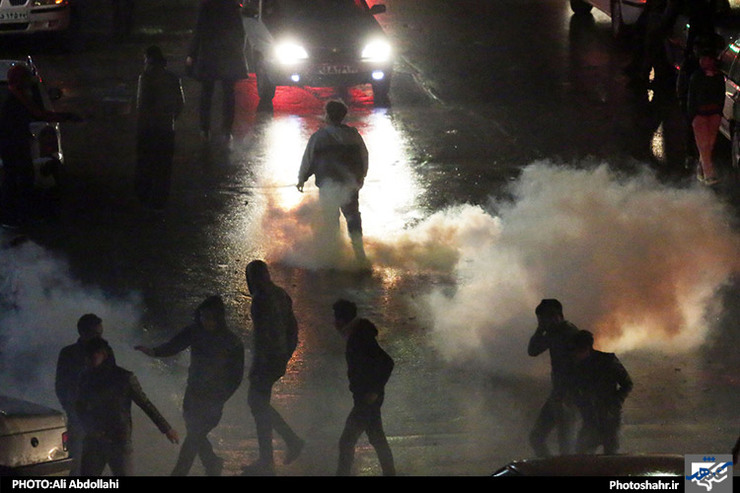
41,303
634,261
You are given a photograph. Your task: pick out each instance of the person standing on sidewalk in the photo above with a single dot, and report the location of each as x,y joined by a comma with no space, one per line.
368,368
216,371
275,331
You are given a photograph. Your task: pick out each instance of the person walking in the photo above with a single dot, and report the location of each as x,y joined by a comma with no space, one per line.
104,407
601,384
215,373
216,54
368,369
19,109
71,364
705,104
337,157
159,101
553,334
275,332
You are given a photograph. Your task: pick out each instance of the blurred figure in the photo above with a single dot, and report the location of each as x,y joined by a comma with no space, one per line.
159,102
19,109
275,332
71,363
216,371
553,334
368,368
601,386
216,54
337,156
706,99
104,407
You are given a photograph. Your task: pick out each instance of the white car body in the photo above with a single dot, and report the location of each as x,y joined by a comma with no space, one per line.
32,16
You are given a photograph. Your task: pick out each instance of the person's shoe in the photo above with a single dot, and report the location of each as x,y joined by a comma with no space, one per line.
293,452
699,173
711,181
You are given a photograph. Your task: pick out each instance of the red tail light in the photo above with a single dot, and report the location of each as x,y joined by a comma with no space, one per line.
65,439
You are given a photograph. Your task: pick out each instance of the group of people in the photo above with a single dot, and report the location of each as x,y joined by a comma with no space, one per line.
97,394
586,383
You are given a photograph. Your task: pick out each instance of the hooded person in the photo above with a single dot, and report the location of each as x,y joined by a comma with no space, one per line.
368,369
215,373
275,337
106,392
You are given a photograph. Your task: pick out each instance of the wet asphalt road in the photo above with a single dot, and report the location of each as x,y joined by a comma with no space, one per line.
481,92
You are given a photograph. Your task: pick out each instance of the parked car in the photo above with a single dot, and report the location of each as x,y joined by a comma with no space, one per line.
597,465
623,13
319,43
33,439
32,16
47,140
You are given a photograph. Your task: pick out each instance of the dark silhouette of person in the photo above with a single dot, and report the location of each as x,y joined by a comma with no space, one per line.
553,334
368,369
275,333
159,102
20,108
337,157
216,54
215,373
104,407
601,384
71,364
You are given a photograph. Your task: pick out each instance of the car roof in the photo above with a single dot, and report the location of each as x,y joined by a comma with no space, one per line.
598,465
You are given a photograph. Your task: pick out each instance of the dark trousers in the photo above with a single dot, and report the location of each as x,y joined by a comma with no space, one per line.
364,418
99,452
17,182
600,428
201,417
556,415
266,419
228,100
155,151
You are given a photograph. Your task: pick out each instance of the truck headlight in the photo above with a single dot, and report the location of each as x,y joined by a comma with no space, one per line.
290,53
46,3
377,51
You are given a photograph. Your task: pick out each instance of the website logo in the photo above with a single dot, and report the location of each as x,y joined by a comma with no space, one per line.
708,473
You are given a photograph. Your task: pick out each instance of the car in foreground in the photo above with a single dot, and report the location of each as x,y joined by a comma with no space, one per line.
621,465
623,13
33,439
316,43
47,140
34,16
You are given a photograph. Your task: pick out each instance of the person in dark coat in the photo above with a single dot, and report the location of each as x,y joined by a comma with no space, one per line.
553,334
20,108
215,373
216,54
601,384
337,157
368,369
71,364
159,102
275,332
104,406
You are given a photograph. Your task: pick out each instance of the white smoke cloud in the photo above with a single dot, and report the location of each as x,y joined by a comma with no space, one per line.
41,302
635,261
